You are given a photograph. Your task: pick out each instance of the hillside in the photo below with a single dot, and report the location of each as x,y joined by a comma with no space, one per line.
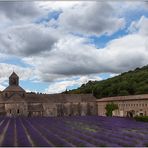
128,83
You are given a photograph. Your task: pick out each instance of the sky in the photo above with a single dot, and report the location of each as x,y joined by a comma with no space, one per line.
59,45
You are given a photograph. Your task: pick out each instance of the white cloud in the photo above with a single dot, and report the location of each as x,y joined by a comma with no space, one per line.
91,18
2,87
58,5
140,26
27,40
17,13
58,87
72,56
57,55
7,69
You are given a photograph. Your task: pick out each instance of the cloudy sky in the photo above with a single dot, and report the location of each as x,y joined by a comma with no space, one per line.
54,46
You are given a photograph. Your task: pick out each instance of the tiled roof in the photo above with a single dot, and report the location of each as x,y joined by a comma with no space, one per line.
122,98
14,88
59,98
15,98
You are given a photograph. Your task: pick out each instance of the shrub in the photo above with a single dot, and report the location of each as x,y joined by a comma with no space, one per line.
110,108
141,118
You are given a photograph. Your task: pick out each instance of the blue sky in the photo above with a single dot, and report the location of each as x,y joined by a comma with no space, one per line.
59,45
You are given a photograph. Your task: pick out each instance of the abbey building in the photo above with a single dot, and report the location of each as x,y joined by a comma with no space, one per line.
128,106
15,101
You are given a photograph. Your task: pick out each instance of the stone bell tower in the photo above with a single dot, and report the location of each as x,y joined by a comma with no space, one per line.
13,79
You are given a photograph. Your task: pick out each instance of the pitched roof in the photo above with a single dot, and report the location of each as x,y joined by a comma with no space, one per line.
73,97
59,98
14,88
15,98
123,98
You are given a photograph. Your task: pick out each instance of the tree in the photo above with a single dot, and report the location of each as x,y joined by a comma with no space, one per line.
123,93
110,107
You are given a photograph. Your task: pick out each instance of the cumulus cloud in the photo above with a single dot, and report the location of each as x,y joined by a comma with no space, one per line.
62,85
21,12
58,5
27,40
140,26
93,18
58,56
7,69
18,9
70,56
73,56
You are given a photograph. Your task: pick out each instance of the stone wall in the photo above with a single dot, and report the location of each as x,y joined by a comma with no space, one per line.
126,108
16,109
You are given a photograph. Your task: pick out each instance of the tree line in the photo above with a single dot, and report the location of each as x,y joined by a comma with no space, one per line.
128,83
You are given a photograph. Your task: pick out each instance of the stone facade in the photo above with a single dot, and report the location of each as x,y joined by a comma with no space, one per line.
15,101
128,105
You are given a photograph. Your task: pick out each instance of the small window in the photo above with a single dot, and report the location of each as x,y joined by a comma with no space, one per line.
10,111
18,111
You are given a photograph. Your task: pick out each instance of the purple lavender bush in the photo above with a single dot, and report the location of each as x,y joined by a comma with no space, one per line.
74,131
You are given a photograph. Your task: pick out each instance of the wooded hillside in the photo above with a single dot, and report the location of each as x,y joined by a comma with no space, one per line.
128,83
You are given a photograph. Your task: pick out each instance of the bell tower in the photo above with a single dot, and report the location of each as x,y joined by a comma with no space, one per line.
14,79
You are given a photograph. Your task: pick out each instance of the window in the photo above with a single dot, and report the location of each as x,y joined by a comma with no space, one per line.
10,111
18,111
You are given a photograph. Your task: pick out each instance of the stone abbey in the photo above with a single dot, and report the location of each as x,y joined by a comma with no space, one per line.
15,101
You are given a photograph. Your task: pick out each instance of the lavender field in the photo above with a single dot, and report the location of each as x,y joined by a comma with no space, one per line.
88,131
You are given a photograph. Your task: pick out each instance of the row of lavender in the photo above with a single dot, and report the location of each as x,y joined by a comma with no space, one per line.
88,131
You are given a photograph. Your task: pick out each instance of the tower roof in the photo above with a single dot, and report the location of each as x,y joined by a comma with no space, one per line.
14,75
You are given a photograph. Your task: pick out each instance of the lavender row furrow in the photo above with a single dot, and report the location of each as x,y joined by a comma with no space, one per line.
36,137
55,139
88,131
22,139
9,135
